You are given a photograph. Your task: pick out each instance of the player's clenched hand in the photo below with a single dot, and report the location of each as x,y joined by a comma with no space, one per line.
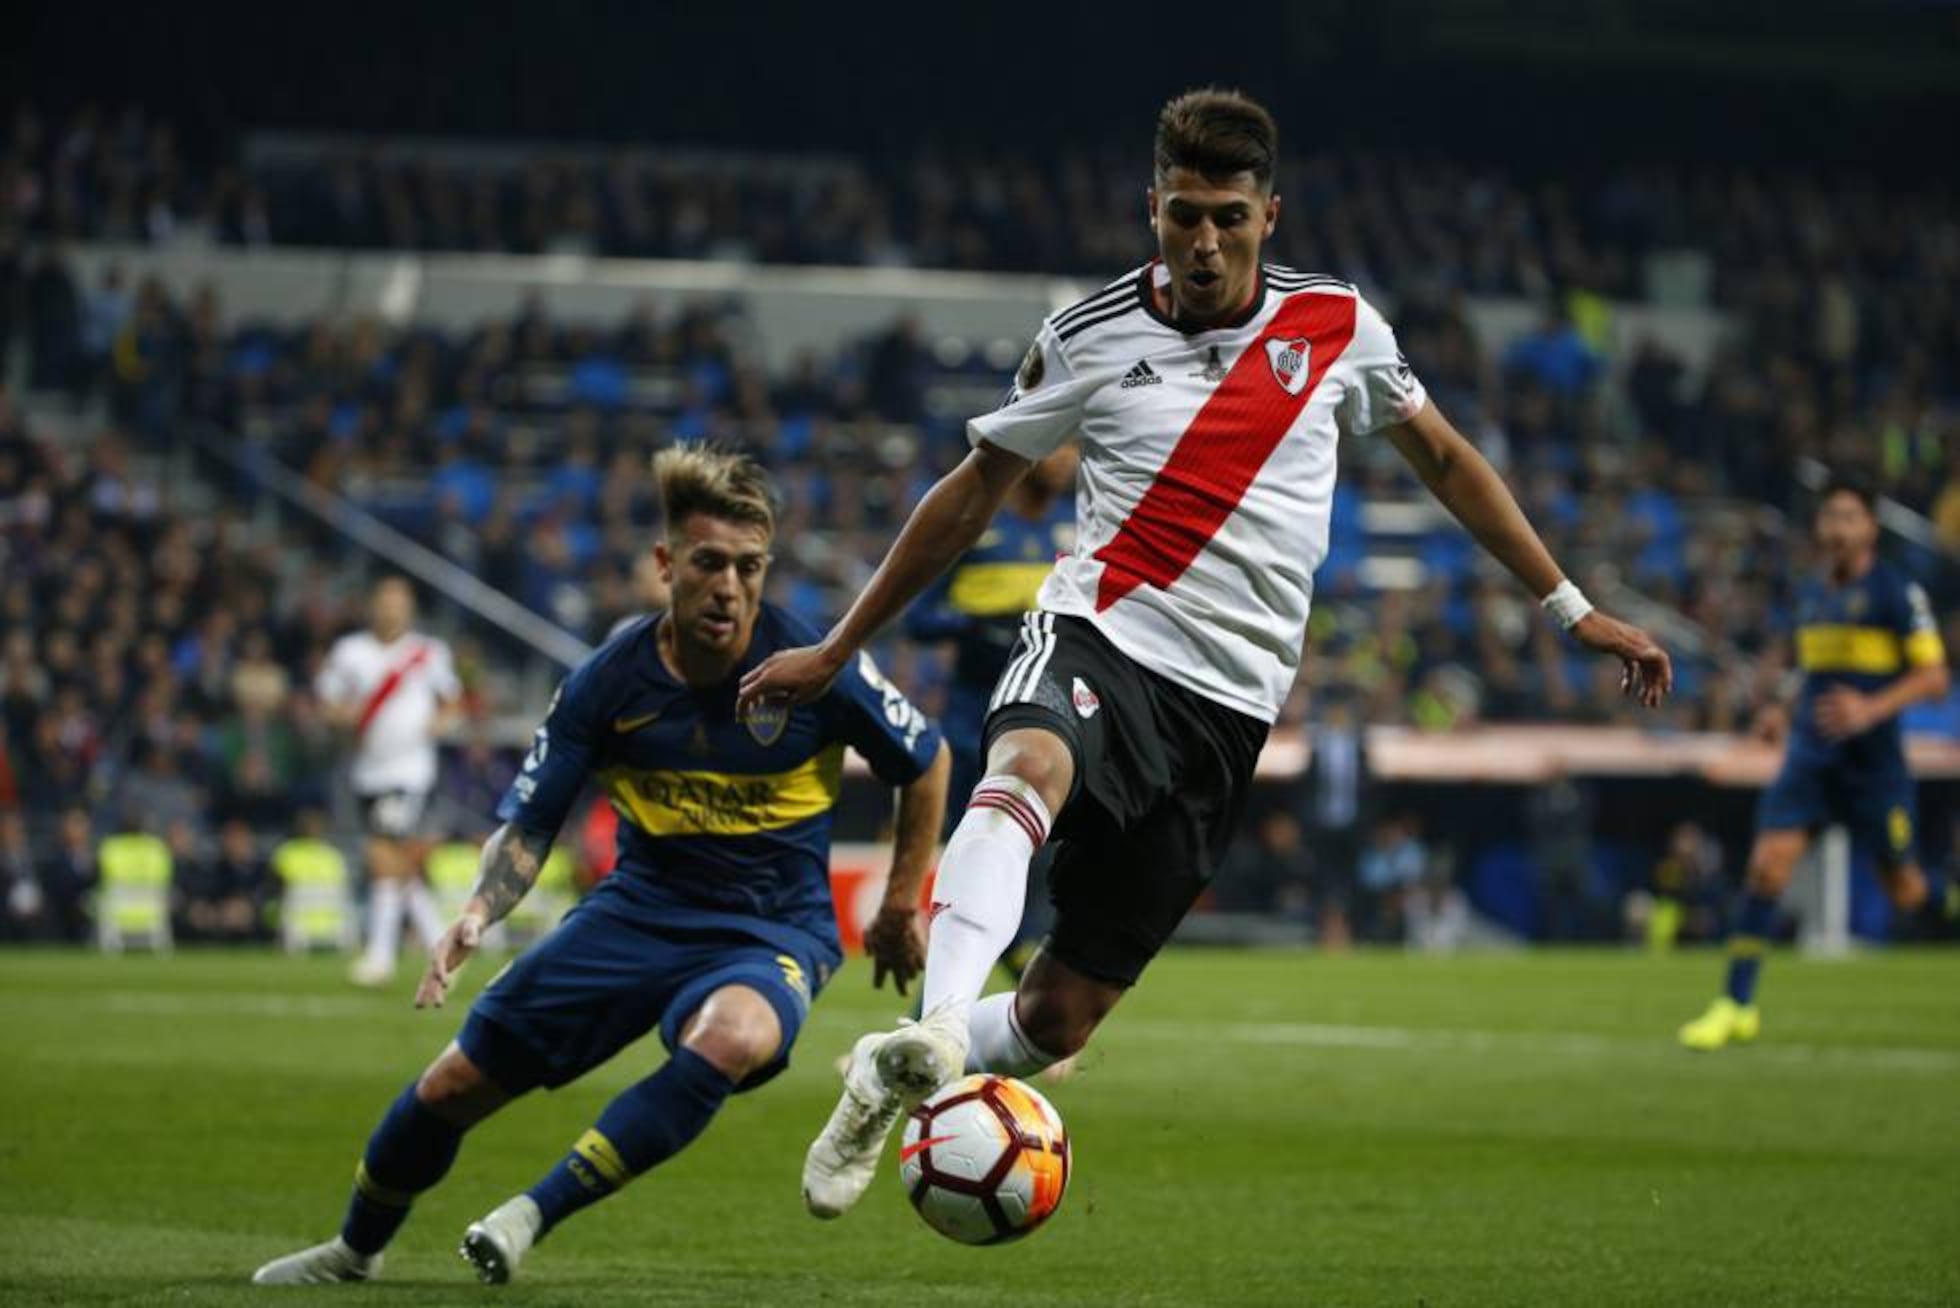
447,959
896,942
789,677
1646,673
1842,713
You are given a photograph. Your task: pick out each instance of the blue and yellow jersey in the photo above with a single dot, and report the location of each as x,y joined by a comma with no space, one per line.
1863,634
979,602
720,816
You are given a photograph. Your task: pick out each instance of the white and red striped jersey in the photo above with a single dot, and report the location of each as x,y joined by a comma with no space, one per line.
398,688
1207,477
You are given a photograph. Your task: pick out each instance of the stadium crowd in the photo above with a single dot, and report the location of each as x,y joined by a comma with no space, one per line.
161,664
518,449
1386,221
157,674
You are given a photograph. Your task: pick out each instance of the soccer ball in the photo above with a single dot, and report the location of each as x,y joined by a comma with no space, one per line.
985,1160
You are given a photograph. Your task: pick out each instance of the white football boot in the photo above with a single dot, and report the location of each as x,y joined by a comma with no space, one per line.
887,1072
844,1157
496,1244
370,973
323,1264
921,1056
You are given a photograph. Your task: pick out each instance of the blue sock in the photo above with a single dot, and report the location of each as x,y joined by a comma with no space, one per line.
409,1152
1746,944
647,1124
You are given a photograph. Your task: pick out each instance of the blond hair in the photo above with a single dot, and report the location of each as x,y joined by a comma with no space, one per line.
720,483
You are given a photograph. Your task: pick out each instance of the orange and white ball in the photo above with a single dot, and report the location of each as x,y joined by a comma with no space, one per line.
985,1160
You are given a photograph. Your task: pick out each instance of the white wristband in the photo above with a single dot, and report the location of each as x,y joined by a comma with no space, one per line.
1567,603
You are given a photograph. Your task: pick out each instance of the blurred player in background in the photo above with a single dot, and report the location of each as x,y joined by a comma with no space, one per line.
717,927
394,690
649,590
979,607
1208,392
1867,648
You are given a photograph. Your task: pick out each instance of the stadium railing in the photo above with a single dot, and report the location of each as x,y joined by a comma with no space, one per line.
554,647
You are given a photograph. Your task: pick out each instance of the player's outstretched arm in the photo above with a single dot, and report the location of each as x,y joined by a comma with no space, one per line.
896,939
512,859
1463,480
944,526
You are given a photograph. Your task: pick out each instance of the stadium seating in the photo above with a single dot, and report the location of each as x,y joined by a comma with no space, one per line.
514,447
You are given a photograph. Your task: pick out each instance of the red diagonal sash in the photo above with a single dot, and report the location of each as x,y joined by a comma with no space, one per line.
1222,450
389,685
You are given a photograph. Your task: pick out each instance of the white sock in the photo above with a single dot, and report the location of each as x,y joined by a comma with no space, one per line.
426,917
982,885
998,1044
384,922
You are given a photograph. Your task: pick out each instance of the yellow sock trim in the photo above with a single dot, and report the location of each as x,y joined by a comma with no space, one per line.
598,1151
375,1192
1747,946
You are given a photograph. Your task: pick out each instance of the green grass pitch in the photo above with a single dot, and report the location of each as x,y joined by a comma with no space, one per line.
1250,1129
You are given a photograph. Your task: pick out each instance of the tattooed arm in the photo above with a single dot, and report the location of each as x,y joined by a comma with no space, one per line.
512,859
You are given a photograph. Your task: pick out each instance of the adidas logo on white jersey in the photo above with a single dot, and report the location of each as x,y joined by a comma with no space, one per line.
1141,375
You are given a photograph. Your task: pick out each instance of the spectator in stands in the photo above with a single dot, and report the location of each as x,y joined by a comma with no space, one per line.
1559,823
54,316
1554,356
13,275
895,373
1683,899
257,755
221,894
105,315
1334,803
1391,867
22,905
68,878
156,795
51,773
1438,911
1271,873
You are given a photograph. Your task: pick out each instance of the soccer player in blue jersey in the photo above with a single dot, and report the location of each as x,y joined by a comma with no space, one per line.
1867,647
716,928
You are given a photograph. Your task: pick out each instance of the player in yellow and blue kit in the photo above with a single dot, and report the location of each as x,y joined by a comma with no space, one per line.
980,607
1867,647
716,927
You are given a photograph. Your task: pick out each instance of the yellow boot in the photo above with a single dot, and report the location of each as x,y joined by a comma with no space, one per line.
1725,1023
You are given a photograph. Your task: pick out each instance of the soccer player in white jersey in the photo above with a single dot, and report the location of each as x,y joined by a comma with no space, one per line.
1209,391
393,690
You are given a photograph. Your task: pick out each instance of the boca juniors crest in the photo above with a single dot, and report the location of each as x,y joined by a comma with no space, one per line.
1289,360
766,722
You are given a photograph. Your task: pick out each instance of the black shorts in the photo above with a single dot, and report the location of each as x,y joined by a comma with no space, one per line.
1161,778
394,814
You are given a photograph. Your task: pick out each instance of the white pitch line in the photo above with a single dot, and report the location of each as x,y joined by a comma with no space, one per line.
1311,1035
330,1007
1316,1035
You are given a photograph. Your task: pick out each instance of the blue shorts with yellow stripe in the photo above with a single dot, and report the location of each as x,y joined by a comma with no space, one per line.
1873,797
613,971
